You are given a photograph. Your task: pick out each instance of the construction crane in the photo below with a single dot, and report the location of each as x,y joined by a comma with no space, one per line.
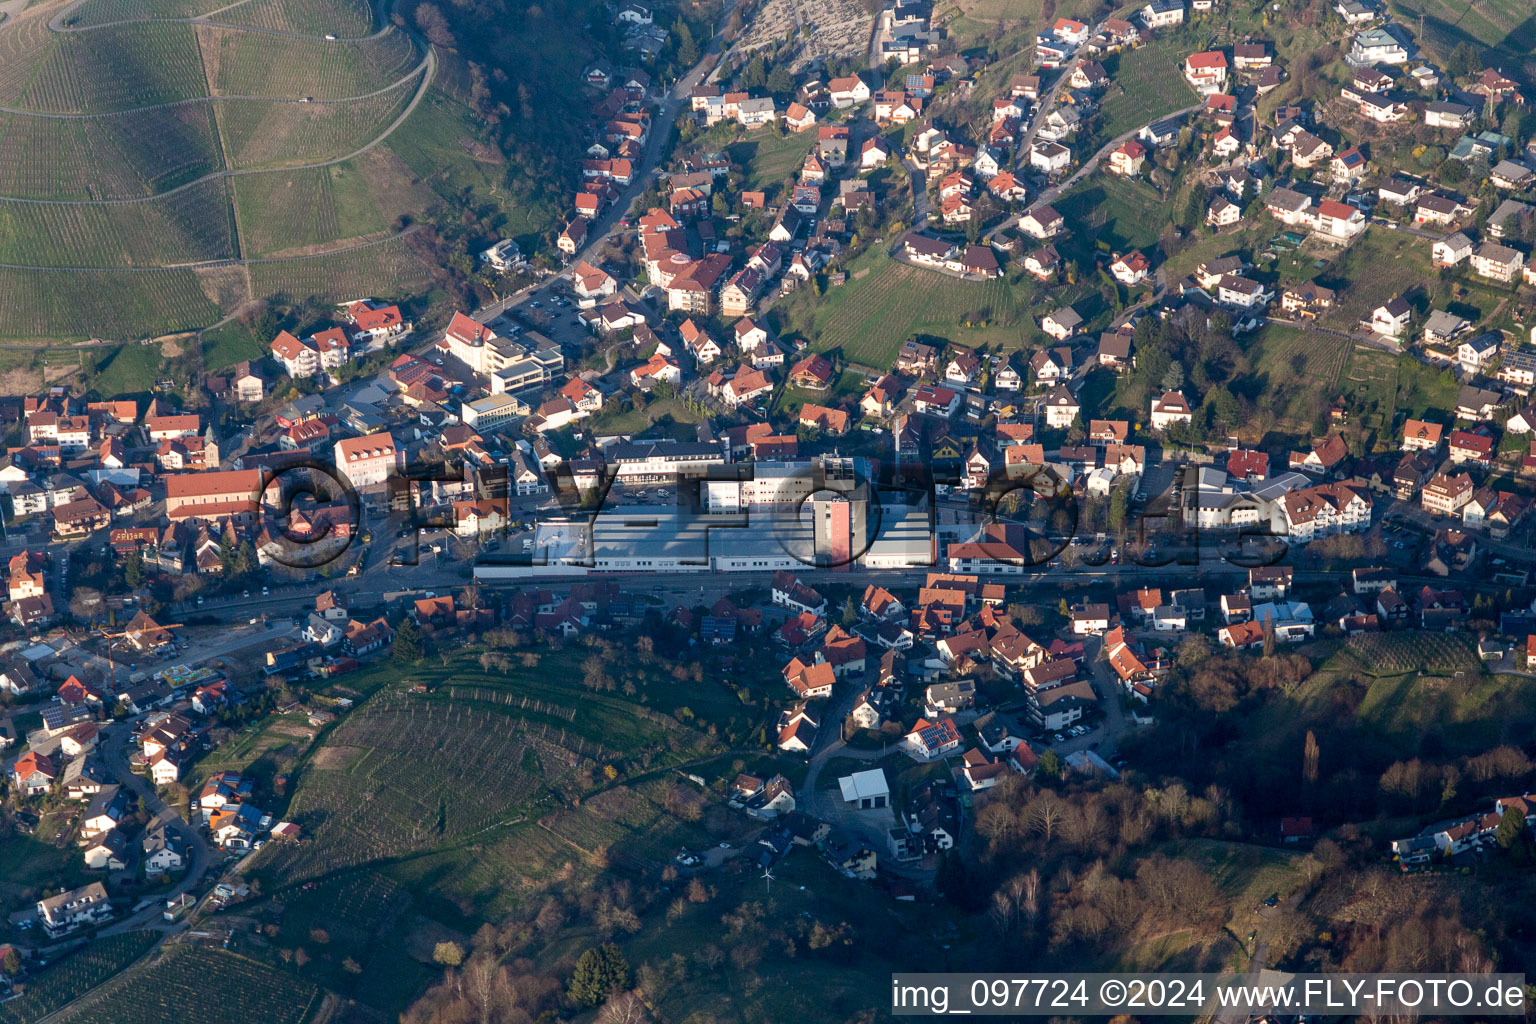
111,637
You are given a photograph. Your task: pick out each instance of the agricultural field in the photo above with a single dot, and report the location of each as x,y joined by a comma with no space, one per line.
282,212
391,780
770,160
108,69
127,155
102,303
194,985
1147,84
1296,371
258,134
190,226
387,269
253,64
75,974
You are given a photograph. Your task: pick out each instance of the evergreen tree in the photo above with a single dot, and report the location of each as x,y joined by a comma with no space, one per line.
408,642
601,971
687,49
133,569
1514,835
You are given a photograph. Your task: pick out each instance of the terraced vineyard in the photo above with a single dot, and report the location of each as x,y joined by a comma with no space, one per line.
388,268
129,128
119,157
242,64
104,304
346,18
105,12
75,974
257,134
193,225
391,780
193,985
121,68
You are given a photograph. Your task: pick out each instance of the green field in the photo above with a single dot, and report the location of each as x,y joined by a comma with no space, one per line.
282,211
75,974
771,160
225,346
194,985
1114,213
869,317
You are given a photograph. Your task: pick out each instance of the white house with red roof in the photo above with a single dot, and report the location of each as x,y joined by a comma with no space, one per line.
1127,158
323,350
1206,71
1131,269
591,285
375,324
928,741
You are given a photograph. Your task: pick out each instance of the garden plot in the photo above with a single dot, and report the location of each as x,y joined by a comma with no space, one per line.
826,29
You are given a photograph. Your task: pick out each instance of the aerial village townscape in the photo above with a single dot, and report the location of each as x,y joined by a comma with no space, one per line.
617,512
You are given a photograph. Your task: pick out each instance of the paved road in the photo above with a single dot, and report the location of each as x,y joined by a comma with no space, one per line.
115,750
603,228
828,804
